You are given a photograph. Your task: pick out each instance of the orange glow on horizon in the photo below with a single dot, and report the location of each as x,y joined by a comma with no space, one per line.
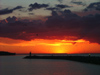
48,46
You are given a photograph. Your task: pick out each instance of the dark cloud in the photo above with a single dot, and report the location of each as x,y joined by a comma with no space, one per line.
58,7
62,21
93,6
8,20
65,25
78,2
3,22
70,24
18,7
54,13
11,19
5,11
31,13
62,6
60,1
21,30
67,11
8,11
37,6
52,8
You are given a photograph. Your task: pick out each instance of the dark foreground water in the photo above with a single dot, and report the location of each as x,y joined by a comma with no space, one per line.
15,65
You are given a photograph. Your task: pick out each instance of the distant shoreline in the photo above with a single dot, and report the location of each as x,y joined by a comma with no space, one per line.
3,53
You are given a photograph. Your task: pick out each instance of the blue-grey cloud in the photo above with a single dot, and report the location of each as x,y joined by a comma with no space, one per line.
78,2
31,13
8,11
52,8
5,11
60,1
18,7
93,6
58,7
62,6
37,6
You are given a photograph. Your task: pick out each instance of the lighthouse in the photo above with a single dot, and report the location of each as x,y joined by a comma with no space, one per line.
30,54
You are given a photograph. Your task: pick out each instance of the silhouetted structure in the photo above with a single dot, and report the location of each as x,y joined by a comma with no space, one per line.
85,59
30,54
89,55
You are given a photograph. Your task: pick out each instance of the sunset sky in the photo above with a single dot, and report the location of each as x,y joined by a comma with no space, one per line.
50,26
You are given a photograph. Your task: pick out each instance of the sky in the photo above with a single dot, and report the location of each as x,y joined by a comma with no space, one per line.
50,26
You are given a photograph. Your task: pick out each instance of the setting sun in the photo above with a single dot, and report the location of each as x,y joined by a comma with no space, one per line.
60,50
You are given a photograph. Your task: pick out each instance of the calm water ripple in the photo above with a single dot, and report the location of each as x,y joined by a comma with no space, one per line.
15,65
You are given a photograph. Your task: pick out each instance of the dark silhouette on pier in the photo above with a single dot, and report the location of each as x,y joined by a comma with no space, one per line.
30,53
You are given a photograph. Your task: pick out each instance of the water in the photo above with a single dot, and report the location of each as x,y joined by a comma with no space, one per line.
15,65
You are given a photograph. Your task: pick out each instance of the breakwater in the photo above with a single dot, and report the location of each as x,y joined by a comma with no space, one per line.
85,59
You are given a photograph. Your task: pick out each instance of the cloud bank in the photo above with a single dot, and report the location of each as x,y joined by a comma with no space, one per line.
60,25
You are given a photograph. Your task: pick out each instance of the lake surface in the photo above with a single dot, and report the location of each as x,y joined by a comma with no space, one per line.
16,65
